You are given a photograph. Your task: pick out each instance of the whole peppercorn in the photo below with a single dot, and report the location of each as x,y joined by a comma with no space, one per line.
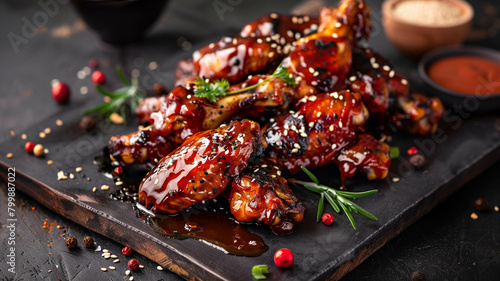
418,276
38,150
98,77
417,161
158,89
88,242
133,264
481,204
60,92
327,218
87,123
71,242
126,251
29,146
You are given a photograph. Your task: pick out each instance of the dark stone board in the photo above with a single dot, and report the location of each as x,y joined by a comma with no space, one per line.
471,145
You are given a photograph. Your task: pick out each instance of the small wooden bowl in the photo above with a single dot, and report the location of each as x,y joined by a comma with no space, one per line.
414,39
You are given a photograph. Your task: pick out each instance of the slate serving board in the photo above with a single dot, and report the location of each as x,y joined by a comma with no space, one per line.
465,147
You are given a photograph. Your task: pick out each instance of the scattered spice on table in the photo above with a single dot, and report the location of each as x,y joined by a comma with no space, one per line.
71,242
418,276
88,242
38,150
481,204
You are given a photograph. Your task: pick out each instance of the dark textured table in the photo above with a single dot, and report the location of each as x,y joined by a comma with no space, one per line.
446,244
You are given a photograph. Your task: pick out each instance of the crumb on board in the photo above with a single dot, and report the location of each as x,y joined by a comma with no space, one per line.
61,176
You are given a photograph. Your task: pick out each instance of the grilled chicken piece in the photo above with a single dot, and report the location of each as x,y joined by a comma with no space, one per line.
181,114
375,79
260,194
201,168
317,131
366,154
321,61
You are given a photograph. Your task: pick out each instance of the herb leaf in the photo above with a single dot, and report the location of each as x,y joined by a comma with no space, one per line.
129,95
336,198
220,88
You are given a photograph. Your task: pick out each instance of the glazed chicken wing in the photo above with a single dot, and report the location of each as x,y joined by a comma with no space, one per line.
317,131
365,154
181,114
201,168
260,194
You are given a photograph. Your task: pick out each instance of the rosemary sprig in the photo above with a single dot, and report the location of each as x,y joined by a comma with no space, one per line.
128,95
336,198
220,88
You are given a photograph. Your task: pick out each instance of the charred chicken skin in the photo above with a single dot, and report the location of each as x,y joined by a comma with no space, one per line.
316,131
201,168
260,194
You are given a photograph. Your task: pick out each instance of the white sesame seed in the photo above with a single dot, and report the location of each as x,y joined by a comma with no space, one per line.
131,278
311,70
318,114
278,173
104,269
311,124
391,74
352,78
404,81
386,68
84,90
105,251
78,169
285,133
157,181
331,128
114,256
314,83
304,135
395,179
296,145
263,166
81,74
104,187
127,272
141,266
289,33
334,146
116,260
159,268
340,124
112,267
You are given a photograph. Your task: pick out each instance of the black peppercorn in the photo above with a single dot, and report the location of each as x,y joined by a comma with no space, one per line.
87,123
88,242
71,242
158,89
418,276
417,161
481,204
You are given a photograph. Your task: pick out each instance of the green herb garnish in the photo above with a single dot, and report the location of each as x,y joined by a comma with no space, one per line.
336,198
259,270
394,152
220,88
128,95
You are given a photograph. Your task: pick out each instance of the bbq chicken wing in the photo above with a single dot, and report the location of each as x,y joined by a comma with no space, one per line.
366,154
181,114
201,168
260,194
316,131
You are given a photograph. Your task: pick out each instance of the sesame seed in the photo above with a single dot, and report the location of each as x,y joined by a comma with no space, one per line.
157,180
404,81
386,68
395,179
104,269
114,256
272,120
42,135
127,272
131,278
474,216
331,128
50,162
71,176
340,124
78,169
84,90
115,261
311,70
94,189
285,133
335,35
274,16
273,176
311,124
270,54
352,78
289,33
338,24
141,266
112,267
61,176
10,155
496,208
46,150
259,40
81,74
334,146
47,131
391,74
119,183
104,187
295,150
159,268
24,136
304,135
314,83
318,114
296,145
278,173
263,166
